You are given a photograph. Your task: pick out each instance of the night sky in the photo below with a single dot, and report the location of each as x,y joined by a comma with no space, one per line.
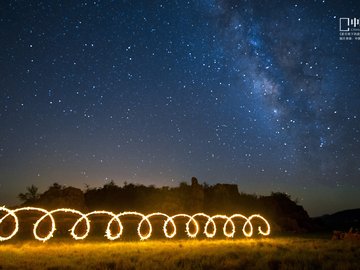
262,94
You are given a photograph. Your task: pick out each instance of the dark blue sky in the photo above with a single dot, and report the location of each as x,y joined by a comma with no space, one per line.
258,93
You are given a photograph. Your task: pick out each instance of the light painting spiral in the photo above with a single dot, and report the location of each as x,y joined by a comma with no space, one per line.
169,227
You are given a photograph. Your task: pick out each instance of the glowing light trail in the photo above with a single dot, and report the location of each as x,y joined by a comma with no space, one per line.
169,227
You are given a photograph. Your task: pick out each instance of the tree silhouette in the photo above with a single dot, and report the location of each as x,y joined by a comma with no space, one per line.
30,196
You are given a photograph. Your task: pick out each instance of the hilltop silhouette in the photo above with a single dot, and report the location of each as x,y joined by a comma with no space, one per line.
341,221
283,212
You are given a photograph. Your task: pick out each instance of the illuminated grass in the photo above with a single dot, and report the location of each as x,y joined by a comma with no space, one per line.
278,253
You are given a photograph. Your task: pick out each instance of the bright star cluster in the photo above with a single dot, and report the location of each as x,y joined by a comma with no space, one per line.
262,94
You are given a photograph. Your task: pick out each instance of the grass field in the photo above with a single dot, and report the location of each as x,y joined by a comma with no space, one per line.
271,253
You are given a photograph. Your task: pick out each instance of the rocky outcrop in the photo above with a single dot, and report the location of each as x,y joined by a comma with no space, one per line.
62,197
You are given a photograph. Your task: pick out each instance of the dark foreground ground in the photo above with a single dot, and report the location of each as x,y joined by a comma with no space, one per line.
270,253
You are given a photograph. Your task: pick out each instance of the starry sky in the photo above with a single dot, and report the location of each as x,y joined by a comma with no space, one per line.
262,94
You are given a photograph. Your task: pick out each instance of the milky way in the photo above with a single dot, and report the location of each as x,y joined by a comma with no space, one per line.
262,94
